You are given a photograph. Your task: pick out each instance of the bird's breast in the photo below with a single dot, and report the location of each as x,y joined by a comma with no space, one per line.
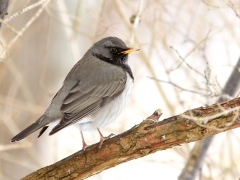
110,111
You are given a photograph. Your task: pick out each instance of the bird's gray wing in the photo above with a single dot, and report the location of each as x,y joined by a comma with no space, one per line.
86,98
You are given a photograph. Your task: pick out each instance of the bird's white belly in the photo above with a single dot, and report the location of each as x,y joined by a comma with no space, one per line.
109,112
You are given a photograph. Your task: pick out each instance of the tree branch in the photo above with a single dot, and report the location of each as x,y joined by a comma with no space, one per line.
199,151
145,138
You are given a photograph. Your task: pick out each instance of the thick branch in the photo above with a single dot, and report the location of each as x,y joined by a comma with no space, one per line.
143,139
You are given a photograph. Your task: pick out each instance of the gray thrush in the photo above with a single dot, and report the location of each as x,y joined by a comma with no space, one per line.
93,94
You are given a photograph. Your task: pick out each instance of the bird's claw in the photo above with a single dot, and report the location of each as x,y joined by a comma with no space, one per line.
102,138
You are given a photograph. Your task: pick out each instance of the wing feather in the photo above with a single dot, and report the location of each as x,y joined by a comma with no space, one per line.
83,101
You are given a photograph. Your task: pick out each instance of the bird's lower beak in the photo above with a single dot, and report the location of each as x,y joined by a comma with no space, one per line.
130,50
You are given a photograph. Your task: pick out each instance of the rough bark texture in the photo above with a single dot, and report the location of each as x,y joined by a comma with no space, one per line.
143,139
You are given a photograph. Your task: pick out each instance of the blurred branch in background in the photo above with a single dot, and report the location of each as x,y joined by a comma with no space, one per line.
24,10
3,9
143,139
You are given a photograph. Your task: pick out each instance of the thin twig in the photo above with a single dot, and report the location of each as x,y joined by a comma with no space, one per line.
181,88
184,61
25,10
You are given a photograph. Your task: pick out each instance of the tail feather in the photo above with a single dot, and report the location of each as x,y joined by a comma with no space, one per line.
41,122
42,131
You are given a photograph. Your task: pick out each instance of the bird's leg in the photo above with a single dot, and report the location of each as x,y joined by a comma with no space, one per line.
84,144
102,138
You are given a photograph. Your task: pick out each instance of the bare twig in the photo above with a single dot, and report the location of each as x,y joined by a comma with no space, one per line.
231,5
184,61
184,89
25,10
183,58
20,33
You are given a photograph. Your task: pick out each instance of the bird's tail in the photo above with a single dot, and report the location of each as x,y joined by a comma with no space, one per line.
41,122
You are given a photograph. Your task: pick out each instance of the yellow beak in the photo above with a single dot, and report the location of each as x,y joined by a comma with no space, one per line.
130,50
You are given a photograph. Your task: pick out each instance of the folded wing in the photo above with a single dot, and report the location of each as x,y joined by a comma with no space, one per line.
83,101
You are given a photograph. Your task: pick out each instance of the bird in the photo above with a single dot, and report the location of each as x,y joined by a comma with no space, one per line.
93,94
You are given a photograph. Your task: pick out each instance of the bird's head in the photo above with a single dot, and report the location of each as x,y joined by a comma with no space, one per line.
112,50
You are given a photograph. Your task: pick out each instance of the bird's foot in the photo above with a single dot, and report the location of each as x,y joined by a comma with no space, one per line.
102,138
84,144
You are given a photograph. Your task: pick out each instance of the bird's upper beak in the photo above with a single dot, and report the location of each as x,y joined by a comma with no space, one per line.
130,50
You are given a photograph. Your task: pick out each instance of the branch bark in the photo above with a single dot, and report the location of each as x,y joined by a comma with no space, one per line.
145,138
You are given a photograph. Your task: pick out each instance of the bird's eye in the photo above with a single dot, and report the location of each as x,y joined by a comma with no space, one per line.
113,50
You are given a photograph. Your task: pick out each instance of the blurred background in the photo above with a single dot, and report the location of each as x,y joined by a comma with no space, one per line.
188,51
